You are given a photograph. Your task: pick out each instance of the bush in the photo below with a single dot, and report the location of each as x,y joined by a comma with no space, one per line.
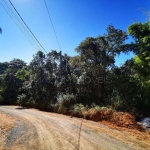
22,99
65,101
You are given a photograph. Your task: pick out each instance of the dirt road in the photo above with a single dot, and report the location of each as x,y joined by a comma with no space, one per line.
37,130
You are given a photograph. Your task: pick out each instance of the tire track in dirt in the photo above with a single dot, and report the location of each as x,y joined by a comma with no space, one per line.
45,138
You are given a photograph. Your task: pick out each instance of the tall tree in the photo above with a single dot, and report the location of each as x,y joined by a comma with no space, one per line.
138,72
99,54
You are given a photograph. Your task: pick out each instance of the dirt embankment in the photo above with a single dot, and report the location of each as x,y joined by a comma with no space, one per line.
109,116
50,131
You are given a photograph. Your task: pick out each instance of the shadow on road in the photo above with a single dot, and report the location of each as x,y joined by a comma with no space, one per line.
20,108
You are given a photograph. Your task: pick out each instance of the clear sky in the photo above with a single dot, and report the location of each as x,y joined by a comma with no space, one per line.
73,20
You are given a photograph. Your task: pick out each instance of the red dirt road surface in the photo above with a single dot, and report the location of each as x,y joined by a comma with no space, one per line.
31,129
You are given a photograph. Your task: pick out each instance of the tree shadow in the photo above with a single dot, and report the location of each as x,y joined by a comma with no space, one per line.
21,108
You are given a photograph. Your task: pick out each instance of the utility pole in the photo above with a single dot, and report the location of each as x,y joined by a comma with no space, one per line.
60,63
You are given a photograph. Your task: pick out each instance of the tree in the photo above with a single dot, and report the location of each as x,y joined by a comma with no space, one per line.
38,83
10,88
137,77
10,84
140,32
99,53
3,67
17,64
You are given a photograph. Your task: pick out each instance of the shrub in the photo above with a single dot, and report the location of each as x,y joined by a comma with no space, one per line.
64,101
21,99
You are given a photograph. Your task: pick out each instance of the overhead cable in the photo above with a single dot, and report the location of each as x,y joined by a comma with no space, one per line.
52,23
27,26
18,22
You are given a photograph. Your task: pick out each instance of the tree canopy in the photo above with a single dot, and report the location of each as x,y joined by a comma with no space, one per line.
59,82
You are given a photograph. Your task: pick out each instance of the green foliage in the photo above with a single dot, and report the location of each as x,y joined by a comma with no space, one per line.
140,31
22,99
85,82
64,102
10,87
3,67
98,54
23,74
79,108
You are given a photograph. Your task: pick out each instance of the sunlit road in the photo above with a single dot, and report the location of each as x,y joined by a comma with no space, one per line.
50,131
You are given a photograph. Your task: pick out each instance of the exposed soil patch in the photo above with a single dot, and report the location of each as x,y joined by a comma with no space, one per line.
124,119
121,119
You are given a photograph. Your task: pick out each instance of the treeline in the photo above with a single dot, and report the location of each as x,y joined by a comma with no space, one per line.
60,83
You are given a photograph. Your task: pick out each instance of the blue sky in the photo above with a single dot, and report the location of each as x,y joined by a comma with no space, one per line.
74,20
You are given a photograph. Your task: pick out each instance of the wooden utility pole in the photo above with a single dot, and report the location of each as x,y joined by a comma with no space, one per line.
60,63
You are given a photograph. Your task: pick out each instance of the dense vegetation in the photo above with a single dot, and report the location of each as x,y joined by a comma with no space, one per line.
61,83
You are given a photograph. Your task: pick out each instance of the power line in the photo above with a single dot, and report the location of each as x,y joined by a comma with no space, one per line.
52,24
17,22
22,26
27,26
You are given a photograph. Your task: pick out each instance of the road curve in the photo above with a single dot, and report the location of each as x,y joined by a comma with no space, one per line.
40,130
